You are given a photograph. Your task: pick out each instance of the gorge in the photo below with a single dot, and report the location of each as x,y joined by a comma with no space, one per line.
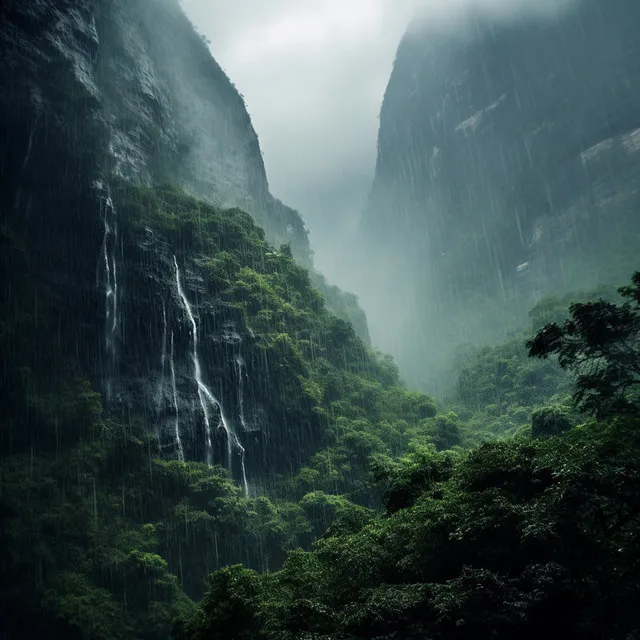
507,171
198,438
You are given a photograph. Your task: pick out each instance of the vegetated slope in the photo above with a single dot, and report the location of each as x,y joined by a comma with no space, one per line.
93,89
523,537
507,171
104,528
499,389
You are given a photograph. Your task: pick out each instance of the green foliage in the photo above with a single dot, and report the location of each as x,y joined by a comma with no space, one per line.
344,305
442,430
520,538
550,421
600,344
188,222
334,515
74,405
413,475
500,387
86,607
229,607
503,375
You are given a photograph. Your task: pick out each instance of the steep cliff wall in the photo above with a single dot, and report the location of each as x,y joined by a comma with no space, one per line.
101,100
139,74
508,169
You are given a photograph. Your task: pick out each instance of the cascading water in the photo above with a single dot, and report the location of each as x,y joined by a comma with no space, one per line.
203,393
243,423
109,278
174,392
206,398
243,470
240,366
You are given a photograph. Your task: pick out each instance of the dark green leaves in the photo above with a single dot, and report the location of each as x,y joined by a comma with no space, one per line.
600,343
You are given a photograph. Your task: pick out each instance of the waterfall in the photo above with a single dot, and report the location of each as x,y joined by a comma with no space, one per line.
243,422
175,403
240,365
206,398
109,281
243,469
203,393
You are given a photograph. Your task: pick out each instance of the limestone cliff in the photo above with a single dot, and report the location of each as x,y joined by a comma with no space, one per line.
508,169
102,100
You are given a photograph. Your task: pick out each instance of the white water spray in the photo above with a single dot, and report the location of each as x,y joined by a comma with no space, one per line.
240,365
175,404
110,281
245,483
205,396
243,422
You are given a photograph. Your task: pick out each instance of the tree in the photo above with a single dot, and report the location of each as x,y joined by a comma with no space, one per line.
550,421
600,344
229,607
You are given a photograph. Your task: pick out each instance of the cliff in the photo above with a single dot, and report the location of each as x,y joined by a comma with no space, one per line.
130,88
102,101
507,170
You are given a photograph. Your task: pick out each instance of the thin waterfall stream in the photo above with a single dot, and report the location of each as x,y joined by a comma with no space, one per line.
163,367
206,397
110,282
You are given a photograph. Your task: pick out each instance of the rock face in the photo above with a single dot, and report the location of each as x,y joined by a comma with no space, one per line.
98,92
169,350
508,169
128,87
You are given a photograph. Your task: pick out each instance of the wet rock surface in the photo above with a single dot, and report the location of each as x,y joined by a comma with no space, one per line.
508,169
95,89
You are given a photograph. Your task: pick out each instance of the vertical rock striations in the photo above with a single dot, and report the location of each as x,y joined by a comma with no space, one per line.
508,169
101,94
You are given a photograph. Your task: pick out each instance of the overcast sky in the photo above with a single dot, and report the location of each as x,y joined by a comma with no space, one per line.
313,73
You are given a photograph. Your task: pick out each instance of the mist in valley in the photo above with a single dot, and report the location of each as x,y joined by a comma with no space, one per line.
319,319
450,224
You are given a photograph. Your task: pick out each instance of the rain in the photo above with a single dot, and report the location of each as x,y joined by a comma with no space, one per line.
319,319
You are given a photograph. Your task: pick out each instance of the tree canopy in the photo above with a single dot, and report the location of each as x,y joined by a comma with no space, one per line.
600,344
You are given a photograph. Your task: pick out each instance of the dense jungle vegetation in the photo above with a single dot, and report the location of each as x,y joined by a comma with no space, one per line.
510,509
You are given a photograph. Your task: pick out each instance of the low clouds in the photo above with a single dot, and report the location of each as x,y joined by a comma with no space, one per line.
452,13
313,73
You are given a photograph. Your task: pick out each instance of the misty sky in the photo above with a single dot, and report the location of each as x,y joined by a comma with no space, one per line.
313,73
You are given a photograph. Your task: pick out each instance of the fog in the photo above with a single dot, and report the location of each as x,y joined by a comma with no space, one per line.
314,75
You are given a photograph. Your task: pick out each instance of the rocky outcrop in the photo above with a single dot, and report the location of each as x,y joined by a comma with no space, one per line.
129,87
508,169
99,92
174,353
